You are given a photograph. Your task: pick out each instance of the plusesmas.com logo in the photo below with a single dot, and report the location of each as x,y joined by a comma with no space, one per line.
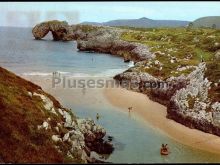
103,82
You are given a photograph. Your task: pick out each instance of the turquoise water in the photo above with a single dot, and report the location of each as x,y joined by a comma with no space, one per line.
135,141
22,54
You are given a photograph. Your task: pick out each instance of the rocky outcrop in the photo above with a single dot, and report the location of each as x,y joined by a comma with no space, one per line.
156,89
106,40
94,135
92,38
59,29
83,135
191,105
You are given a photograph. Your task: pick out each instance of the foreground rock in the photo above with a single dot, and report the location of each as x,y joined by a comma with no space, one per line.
33,124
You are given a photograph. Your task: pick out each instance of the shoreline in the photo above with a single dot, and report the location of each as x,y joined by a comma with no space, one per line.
155,114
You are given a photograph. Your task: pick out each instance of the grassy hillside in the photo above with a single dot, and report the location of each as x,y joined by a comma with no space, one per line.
207,22
21,113
178,51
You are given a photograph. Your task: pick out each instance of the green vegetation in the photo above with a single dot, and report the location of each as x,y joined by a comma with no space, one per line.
191,101
213,75
178,48
20,139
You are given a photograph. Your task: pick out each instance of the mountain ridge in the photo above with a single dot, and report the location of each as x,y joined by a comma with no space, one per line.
141,22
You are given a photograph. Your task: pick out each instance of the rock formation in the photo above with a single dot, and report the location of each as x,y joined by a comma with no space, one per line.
191,105
92,38
59,29
106,40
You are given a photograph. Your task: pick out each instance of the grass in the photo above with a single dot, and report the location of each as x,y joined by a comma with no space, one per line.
20,114
213,74
188,45
191,101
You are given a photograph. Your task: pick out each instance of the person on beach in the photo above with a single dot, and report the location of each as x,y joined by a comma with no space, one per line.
164,149
129,109
84,90
97,116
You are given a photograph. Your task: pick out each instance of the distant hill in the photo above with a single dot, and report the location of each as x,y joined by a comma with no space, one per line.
91,23
141,22
207,22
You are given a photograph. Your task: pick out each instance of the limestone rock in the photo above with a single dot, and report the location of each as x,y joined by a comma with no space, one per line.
217,55
59,29
56,138
106,40
68,119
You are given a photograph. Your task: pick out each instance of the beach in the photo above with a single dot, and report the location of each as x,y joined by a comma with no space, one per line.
155,114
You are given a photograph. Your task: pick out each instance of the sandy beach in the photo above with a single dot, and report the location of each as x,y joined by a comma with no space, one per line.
155,114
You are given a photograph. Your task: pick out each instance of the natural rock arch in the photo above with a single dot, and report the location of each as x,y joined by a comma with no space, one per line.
59,29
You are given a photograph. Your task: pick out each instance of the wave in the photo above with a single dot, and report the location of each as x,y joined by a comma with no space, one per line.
79,75
131,64
44,73
61,72
37,74
105,73
110,72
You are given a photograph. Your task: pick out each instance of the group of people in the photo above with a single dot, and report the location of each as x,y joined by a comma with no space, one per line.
164,149
55,74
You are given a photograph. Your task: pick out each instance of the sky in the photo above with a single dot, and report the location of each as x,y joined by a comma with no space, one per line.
27,14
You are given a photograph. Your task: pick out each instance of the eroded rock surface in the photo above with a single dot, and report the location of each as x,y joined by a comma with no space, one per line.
107,40
59,29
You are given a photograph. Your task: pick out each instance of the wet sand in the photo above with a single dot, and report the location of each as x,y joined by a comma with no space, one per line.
155,114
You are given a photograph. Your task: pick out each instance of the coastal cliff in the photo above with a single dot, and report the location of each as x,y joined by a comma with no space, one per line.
36,128
92,38
182,64
106,40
